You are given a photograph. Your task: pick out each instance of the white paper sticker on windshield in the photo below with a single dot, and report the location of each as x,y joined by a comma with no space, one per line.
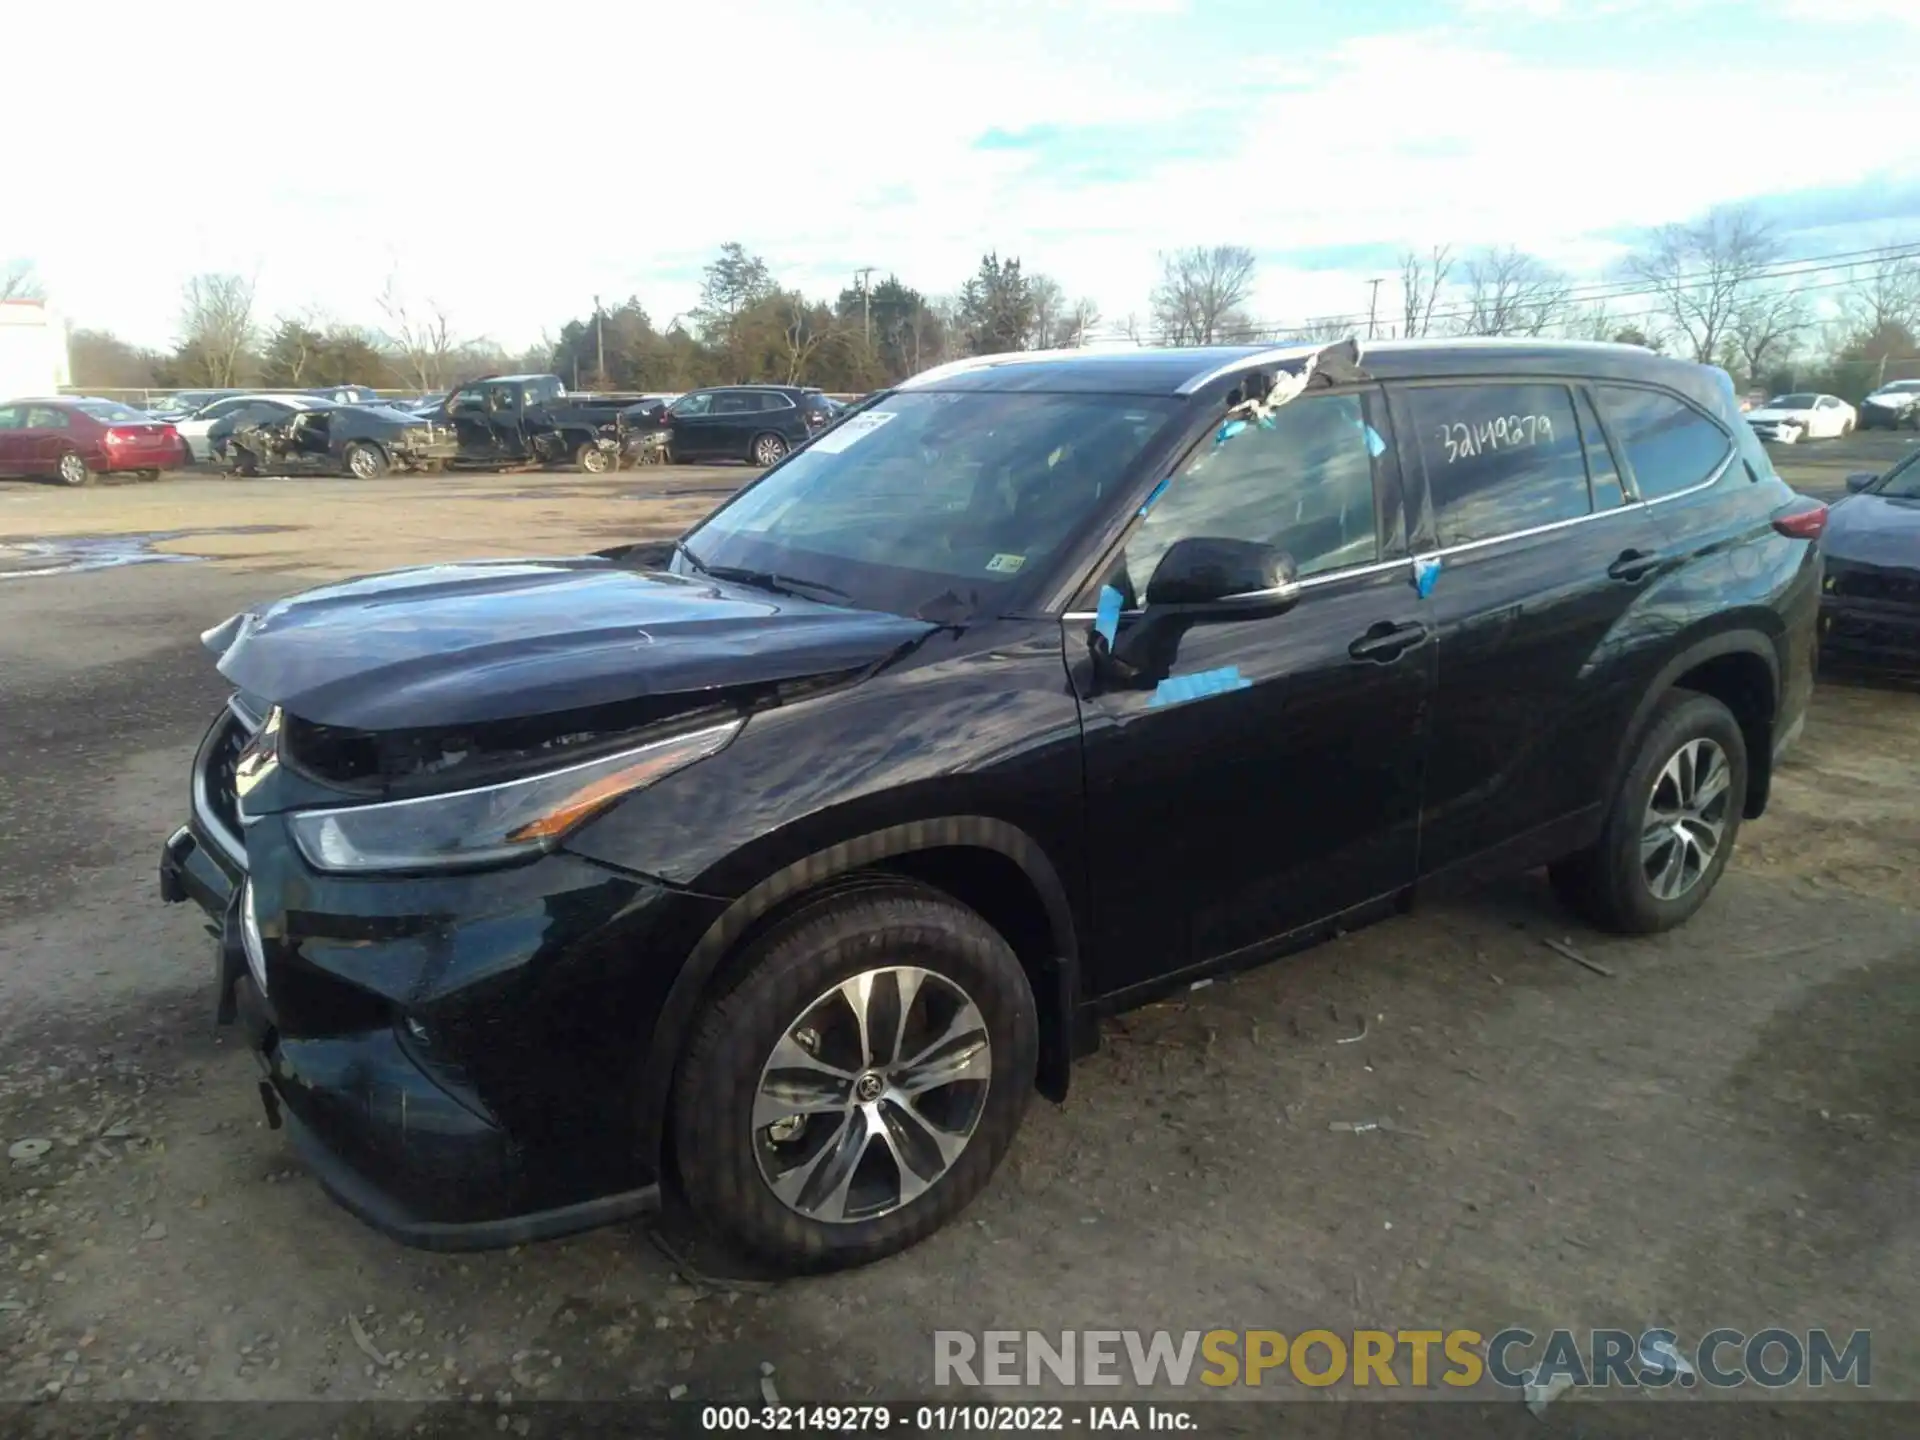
1006,564
851,431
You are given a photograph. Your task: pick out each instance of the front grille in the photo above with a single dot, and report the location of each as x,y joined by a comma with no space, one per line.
1898,587
216,796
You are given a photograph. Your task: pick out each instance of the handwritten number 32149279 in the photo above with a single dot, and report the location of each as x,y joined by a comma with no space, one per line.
1503,432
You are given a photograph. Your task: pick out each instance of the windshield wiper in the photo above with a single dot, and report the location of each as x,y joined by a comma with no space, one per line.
772,580
680,549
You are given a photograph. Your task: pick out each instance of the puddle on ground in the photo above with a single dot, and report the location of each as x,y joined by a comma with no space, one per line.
22,559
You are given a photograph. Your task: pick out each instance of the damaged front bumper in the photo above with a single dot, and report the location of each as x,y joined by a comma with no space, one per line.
1870,617
455,1057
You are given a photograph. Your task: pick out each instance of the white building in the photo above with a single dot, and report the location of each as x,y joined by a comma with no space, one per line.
33,349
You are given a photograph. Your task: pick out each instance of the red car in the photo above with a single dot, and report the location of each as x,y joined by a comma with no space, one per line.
73,438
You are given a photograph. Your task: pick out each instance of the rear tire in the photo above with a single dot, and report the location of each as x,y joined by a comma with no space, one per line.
364,461
768,449
793,998
1667,840
146,477
73,470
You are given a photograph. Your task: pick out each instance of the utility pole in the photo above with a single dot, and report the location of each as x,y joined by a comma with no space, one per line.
1373,305
600,338
866,302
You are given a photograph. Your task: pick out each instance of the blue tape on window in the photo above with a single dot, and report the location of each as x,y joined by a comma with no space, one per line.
1154,494
1178,688
1426,570
1106,618
1375,445
1228,431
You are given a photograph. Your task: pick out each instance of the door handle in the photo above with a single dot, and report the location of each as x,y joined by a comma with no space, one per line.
1633,566
1386,642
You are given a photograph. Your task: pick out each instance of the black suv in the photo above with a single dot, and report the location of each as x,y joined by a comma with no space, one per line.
757,423
783,864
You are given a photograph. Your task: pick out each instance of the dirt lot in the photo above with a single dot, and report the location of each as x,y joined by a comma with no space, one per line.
1723,1131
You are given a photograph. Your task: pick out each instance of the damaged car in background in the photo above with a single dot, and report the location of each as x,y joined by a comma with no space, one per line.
783,863
1870,600
295,435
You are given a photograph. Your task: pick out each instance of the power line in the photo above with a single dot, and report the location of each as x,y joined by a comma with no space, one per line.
1602,291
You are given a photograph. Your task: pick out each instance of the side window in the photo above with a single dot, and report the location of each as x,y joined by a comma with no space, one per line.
1499,458
736,402
12,417
474,398
697,403
774,400
1669,445
1608,493
45,417
1304,485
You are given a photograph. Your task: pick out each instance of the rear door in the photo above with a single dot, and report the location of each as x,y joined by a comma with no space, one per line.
46,437
1541,555
736,417
1270,778
13,449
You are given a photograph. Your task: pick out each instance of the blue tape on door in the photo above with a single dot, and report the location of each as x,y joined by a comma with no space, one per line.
1154,494
1106,617
1178,688
1426,570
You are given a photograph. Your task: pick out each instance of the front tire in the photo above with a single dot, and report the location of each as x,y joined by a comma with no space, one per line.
860,1082
72,470
768,449
1672,824
592,459
365,462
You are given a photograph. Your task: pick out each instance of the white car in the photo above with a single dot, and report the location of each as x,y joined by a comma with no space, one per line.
1893,405
1789,419
193,430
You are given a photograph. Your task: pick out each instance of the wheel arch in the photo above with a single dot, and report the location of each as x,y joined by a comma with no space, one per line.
988,864
1741,669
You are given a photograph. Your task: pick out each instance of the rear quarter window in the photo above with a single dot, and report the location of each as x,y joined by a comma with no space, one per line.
1669,446
1499,458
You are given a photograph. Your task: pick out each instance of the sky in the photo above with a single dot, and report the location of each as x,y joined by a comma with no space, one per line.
510,163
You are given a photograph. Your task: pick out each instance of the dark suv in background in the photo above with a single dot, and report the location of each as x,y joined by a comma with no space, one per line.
784,863
756,423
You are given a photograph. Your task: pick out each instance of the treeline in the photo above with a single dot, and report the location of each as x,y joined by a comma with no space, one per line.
1722,289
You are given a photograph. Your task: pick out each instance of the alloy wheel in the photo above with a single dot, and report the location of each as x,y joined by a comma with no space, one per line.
871,1095
1686,818
363,464
768,449
73,469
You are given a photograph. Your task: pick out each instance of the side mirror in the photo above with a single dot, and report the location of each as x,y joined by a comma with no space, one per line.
1859,482
1203,570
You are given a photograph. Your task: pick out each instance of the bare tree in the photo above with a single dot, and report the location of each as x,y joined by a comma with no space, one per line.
1420,282
217,332
1702,274
1077,324
1511,293
1049,309
421,338
1764,327
803,332
1329,327
1200,293
19,282
1886,294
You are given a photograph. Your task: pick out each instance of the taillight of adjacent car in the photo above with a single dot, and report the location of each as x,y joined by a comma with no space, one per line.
1804,519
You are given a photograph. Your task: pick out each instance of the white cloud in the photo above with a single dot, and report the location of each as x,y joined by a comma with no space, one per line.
511,170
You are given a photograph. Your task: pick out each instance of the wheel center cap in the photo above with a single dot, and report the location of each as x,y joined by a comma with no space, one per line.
868,1087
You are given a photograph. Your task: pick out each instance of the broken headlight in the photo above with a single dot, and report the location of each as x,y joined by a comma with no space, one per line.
494,823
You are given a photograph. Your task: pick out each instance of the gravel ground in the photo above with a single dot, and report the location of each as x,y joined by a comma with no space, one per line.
1722,1130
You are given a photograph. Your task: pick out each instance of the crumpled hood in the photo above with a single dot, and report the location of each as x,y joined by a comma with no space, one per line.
1874,530
462,644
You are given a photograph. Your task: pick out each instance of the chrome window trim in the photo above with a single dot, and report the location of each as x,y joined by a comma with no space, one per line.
1467,547
1310,582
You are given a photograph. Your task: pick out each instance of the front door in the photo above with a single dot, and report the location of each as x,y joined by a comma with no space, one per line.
690,426
1269,778
44,439
1541,555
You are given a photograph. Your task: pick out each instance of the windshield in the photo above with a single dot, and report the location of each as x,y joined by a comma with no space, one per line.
931,501
1903,481
1791,402
111,411
1899,387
